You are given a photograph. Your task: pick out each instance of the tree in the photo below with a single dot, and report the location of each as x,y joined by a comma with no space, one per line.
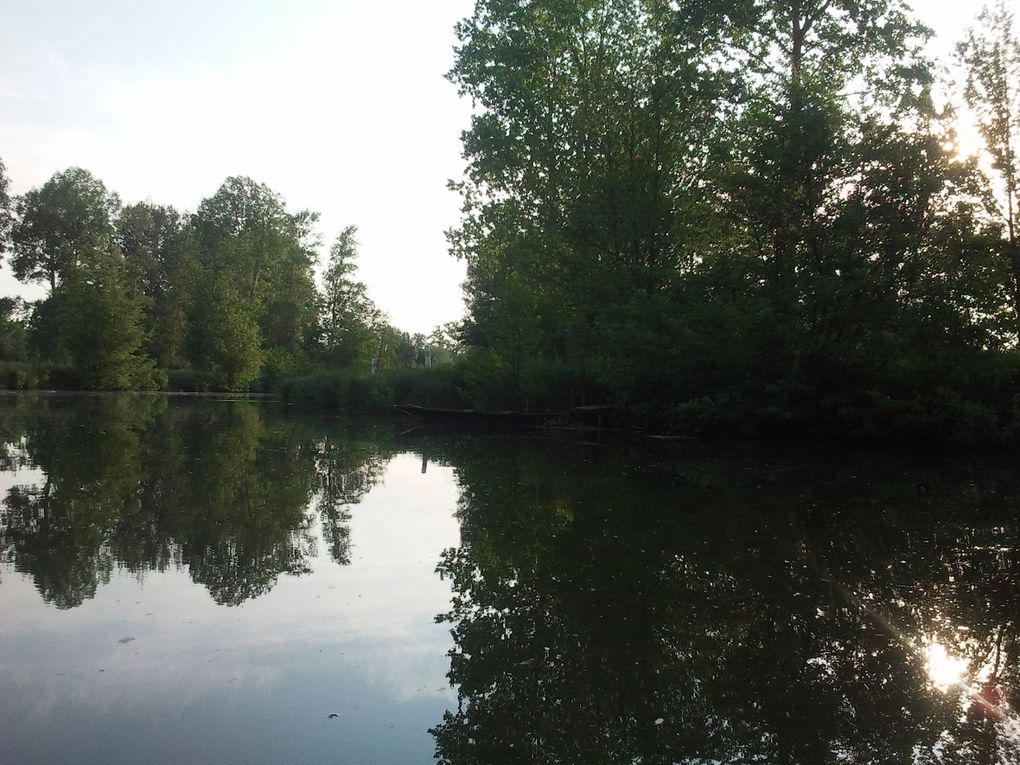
348,315
154,242
991,55
101,321
6,209
718,208
13,340
251,213
260,259
225,343
93,317
586,165
61,225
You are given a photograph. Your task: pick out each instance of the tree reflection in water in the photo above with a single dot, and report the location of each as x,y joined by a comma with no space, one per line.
148,484
669,608
610,604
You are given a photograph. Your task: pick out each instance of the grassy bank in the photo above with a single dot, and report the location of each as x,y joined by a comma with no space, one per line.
345,390
473,380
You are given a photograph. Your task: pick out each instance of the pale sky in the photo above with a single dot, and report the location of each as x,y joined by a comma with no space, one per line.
339,106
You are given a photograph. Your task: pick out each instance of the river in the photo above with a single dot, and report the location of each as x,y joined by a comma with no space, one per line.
190,580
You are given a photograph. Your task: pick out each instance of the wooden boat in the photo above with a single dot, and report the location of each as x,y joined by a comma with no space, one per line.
433,414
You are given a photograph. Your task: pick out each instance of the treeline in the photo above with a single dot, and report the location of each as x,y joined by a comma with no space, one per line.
742,214
747,215
144,295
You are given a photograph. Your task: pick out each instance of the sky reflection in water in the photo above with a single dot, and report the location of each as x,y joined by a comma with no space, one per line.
207,581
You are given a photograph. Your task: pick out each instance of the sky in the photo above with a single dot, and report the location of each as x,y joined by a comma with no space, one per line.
340,106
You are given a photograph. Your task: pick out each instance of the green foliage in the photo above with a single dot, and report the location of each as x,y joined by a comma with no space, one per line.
347,390
183,380
44,338
61,225
153,240
100,318
991,55
444,386
13,329
225,345
340,391
228,291
6,209
92,322
736,217
20,375
256,292
348,317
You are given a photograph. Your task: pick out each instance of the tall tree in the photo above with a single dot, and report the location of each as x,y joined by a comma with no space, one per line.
260,258
225,343
586,164
348,314
6,209
252,213
718,207
153,240
100,318
794,141
991,55
13,340
63,223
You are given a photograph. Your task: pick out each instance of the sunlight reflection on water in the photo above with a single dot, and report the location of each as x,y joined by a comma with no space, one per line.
944,670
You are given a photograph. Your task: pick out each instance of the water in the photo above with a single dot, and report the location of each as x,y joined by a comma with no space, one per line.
206,581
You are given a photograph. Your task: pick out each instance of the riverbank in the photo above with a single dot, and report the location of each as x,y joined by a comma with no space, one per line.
170,393
985,415
937,417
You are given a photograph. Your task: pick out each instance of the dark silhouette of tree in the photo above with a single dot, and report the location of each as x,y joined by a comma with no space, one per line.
742,216
991,55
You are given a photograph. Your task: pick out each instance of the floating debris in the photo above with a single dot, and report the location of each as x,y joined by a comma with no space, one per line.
125,640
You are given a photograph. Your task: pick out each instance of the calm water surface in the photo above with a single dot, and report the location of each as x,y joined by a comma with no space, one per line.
211,581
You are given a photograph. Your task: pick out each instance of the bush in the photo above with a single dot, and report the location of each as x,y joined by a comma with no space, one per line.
21,375
346,390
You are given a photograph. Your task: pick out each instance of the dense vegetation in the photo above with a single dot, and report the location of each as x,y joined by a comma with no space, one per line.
142,295
748,215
